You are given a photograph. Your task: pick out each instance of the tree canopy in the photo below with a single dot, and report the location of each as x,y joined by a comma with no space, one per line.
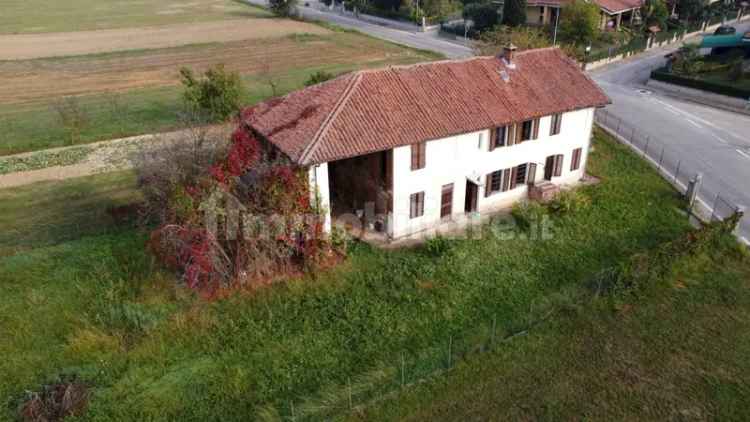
579,22
514,12
484,15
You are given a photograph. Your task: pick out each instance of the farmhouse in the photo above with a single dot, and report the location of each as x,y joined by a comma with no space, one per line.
407,148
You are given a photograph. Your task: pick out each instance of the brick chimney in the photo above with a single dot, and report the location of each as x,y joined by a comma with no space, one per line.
508,52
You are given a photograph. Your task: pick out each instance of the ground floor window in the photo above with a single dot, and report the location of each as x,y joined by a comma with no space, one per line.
416,208
575,162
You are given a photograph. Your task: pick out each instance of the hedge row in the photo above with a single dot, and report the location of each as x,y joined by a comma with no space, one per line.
717,88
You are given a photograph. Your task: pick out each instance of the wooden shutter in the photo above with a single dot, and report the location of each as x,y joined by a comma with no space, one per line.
513,174
575,162
493,138
531,174
558,165
535,129
558,123
488,185
418,155
519,133
506,180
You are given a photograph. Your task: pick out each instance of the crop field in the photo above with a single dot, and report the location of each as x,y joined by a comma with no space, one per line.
37,16
136,92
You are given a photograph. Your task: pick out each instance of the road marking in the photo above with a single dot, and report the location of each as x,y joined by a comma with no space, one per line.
694,124
744,154
722,140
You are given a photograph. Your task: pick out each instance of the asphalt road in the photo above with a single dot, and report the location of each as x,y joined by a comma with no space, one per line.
415,39
700,138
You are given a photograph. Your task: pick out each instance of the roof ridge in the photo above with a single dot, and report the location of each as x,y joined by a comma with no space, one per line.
313,145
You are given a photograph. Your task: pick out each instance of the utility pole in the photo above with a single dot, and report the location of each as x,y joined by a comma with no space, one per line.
557,19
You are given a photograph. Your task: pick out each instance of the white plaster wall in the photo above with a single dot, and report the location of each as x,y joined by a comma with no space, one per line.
452,160
319,190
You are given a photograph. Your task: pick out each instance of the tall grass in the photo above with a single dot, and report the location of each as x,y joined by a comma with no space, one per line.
98,307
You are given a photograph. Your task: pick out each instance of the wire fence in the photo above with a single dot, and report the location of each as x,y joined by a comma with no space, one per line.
708,207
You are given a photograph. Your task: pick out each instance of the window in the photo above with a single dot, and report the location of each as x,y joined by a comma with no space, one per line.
529,130
418,155
575,162
526,130
554,128
416,208
498,137
481,139
494,182
521,174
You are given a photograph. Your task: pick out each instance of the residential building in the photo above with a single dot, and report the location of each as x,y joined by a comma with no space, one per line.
409,147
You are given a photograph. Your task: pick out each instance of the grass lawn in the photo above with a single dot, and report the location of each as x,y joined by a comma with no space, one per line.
137,92
35,16
678,352
92,303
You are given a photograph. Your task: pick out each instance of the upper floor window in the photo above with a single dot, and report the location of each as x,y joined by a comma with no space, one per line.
554,127
418,152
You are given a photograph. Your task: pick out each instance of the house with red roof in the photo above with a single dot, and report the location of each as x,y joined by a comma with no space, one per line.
406,149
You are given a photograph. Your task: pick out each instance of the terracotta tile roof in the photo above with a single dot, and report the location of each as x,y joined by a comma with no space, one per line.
375,110
616,6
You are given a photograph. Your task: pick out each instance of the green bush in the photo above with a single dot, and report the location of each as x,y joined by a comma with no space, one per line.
569,201
438,246
579,22
527,213
514,13
214,97
318,77
711,86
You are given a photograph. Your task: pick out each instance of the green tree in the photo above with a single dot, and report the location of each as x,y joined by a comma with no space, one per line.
215,96
691,10
655,12
484,15
579,22
514,12
282,7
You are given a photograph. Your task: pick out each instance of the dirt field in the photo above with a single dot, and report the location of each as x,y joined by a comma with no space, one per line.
41,80
36,16
31,46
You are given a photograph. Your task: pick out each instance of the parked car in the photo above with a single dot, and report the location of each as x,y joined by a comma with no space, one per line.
725,30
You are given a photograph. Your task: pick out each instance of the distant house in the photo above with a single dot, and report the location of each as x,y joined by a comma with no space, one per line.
613,13
410,147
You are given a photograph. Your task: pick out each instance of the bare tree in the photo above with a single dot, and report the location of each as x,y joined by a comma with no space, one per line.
72,117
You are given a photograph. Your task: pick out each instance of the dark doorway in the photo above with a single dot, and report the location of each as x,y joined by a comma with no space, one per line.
446,201
549,167
472,191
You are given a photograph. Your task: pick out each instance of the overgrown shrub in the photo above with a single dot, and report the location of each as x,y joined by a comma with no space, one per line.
65,397
73,118
318,77
215,96
283,7
528,213
579,22
235,215
514,13
484,15
525,38
569,201
438,246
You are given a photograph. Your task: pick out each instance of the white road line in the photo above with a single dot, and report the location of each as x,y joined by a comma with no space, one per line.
722,140
694,124
744,154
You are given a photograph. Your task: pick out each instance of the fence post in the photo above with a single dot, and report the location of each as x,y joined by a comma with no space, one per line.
645,149
677,172
494,328
619,122
349,383
403,370
632,135
691,193
713,209
450,346
661,157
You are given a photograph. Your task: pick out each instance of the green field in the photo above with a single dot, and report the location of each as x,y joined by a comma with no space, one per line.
80,295
36,16
138,92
